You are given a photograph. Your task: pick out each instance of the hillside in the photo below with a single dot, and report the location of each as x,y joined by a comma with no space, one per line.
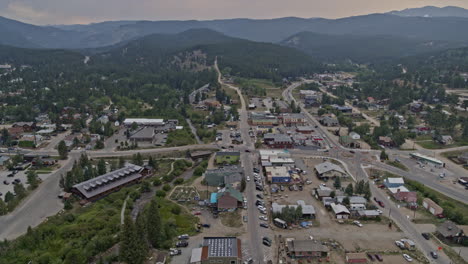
39,57
432,11
361,48
244,58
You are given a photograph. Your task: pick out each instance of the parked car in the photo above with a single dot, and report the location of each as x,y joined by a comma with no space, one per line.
17,180
197,213
370,256
259,188
183,243
206,225
426,236
262,217
261,208
352,151
245,218
175,251
260,196
400,244
281,188
291,188
256,170
264,225
248,261
407,257
6,182
357,223
267,239
434,255
248,178
183,237
378,257
301,187
379,211
266,243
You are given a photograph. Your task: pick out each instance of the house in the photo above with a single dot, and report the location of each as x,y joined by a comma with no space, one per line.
277,174
227,199
357,200
221,250
340,211
227,157
368,214
145,134
408,197
343,109
278,141
385,141
308,211
463,157
394,182
27,126
15,132
416,107
306,249
357,207
356,257
212,103
101,186
223,176
329,121
327,170
450,231
354,135
432,207
445,139
349,142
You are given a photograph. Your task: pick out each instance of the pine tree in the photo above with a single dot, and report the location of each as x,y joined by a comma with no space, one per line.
129,248
367,191
360,187
337,183
62,150
142,242
383,155
101,167
154,225
349,189
121,162
3,208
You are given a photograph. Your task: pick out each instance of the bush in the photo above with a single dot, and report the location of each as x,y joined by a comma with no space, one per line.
176,209
157,182
178,181
166,187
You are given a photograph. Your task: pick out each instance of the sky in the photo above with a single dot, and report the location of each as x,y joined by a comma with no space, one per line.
53,12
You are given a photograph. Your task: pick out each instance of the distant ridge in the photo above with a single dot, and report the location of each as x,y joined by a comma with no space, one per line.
432,11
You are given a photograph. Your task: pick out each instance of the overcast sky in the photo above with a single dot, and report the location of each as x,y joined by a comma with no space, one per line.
87,11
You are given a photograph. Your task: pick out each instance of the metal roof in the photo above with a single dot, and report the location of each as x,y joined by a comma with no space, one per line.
328,166
109,181
221,246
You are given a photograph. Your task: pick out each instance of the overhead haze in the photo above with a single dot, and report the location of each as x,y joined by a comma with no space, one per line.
89,11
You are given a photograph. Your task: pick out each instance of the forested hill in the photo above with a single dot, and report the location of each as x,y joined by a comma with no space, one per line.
362,49
198,47
39,57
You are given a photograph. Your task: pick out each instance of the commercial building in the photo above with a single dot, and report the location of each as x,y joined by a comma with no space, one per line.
450,231
327,170
145,134
306,249
427,159
356,257
349,142
220,250
143,122
432,207
101,186
270,158
226,199
308,211
223,176
278,174
278,141
293,119
394,182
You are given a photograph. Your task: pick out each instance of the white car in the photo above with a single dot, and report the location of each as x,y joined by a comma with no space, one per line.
400,244
248,178
261,208
408,258
379,211
262,217
357,223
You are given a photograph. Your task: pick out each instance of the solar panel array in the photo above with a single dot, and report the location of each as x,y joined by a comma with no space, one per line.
221,246
108,178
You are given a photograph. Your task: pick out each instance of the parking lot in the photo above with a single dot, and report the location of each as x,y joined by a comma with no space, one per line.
4,188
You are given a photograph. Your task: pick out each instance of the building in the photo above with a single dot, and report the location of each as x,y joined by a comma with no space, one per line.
278,141
394,182
262,119
294,119
327,170
408,197
308,211
272,157
145,134
432,207
4,160
329,121
305,129
354,135
416,107
220,250
143,122
27,126
427,159
349,142
343,109
450,231
200,154
227,157
306,249
368,213
356,257
463,158
227,199
278,174
340,211
101,186
223,176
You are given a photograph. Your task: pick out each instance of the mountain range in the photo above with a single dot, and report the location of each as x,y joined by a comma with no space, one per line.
373,36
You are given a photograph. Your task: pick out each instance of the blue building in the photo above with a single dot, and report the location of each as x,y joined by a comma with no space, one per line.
394,182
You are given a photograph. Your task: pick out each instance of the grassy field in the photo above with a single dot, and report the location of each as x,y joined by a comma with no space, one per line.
397,165
430,144
231,219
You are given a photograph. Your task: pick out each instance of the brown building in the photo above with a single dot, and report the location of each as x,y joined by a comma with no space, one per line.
27,126
220,250
432,207
227,199
385,141
278,141
356,257
306,249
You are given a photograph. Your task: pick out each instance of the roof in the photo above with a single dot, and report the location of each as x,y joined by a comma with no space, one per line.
146,132
222,246
347,139
396,180
224,175
306,246
430,159
277,171
305,128
402,189
448,229
338,208
328,166
232,192
213,198
368,213
353,134
109,181
144,121
196,255
306,209
357,200
228,153
278,137
385,139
